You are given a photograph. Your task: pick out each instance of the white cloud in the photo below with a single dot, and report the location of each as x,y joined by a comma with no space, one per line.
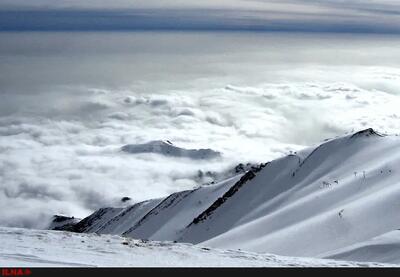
251,98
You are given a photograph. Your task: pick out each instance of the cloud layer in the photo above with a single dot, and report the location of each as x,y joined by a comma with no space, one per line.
70,102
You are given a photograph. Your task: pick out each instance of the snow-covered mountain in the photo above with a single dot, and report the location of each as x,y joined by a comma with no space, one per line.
327,201
168,149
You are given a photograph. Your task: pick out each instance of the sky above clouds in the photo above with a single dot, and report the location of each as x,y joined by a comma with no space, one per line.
366,16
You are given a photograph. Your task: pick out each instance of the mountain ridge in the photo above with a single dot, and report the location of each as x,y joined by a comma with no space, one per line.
323,195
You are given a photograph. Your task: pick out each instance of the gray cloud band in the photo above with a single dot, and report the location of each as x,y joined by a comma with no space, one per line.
296,16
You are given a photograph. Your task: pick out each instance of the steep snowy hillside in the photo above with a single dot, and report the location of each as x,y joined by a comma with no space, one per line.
168,149
34,248
158,219
344,192
310,203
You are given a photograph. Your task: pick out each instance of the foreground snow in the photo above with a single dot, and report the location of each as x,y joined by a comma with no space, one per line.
38,248
384,248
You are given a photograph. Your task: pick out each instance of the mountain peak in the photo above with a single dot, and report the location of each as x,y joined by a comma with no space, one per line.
367,133
166,148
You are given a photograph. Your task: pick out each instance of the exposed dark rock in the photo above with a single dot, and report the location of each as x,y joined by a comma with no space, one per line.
245,178
125,199
63,223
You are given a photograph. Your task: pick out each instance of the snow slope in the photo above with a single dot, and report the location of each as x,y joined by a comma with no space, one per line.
345,192
158,219
341,193
39,248
168,149
384,248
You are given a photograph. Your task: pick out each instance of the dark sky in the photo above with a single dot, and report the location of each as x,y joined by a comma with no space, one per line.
352,16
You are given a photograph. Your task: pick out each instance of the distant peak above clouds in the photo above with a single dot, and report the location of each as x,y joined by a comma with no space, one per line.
166,148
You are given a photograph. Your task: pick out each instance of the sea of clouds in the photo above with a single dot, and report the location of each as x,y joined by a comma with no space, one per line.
71,101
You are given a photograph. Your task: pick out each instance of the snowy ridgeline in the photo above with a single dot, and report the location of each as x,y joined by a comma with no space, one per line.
338,200
32,248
